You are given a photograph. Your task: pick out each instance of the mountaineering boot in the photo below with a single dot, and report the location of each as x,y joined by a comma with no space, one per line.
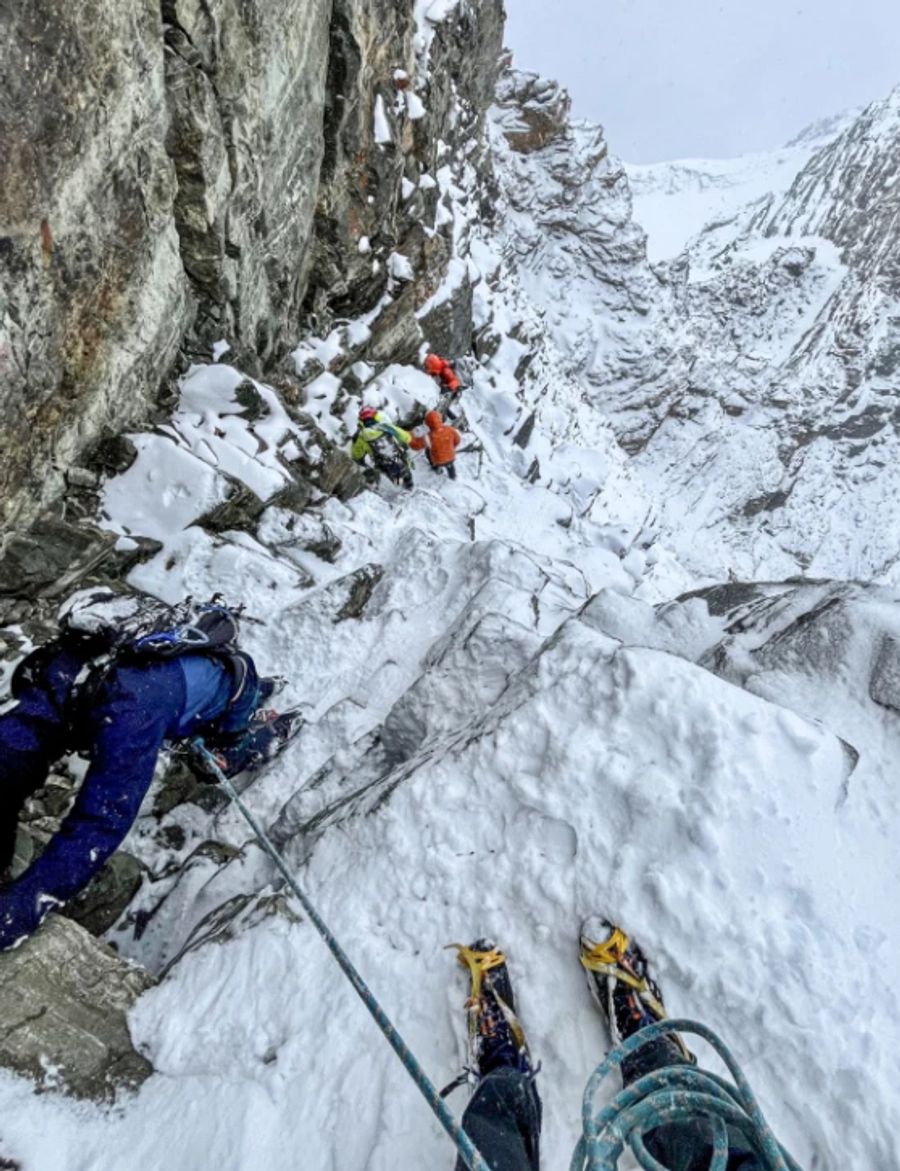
618,975
495,1034
503,1117
270,685
268,736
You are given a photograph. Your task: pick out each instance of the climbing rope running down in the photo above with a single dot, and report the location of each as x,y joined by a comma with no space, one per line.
464,1145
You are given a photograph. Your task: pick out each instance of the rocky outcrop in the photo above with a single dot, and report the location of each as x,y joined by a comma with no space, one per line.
245,85
63,999
579,254
394,107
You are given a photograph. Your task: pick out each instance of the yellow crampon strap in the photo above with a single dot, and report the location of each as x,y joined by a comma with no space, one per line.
478,962
605,958
610,951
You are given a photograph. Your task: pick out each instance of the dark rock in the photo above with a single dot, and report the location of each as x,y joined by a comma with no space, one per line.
540,111
107,895
96,298
361,585
64,997
448,326
245,84
171,837
181,785
135,551
523,436
296,497
396,332
240,511
248,396
111,455
314,536
51,557
339,476
884,684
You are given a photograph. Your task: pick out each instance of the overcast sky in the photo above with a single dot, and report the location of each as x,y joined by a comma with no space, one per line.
678,78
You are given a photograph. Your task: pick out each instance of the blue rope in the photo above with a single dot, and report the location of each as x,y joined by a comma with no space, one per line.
674,1093
467,1150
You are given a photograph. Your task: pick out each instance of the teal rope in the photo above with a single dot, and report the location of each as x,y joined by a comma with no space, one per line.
466,1148
675,1093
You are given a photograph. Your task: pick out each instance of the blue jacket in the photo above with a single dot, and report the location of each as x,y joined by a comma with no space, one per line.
138,708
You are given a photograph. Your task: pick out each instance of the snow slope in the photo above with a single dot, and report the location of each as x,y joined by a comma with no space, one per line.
542,769
674,201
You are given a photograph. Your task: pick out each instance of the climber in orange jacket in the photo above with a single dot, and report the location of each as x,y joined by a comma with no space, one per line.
440,441
441,369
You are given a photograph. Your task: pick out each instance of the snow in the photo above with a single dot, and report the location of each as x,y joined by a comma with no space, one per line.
552,770
674,201
427,14
415,107
381,128
400,267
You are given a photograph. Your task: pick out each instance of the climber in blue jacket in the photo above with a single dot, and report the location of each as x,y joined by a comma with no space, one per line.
136,708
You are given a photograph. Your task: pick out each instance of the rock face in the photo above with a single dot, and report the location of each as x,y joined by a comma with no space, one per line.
245,86
208,169
63,999
566,217
93,296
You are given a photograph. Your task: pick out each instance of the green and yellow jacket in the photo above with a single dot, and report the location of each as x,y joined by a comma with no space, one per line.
380,428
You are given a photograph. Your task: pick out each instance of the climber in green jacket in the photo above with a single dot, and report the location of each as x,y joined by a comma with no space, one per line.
385,444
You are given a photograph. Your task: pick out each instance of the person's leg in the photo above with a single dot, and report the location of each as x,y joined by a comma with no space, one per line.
503,1120
32,737
451,470
262,742
620,981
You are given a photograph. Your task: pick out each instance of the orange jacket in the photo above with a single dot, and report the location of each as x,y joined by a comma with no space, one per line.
441,369
441,440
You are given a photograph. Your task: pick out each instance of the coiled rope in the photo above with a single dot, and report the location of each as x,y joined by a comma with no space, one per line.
675,1093
466,1148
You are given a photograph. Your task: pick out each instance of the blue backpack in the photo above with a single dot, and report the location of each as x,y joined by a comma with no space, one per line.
110,628
137,626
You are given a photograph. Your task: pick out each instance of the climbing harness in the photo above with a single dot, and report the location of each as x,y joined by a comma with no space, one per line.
675,1093
466,1148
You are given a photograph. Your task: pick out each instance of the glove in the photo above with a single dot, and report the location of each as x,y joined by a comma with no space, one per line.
21,913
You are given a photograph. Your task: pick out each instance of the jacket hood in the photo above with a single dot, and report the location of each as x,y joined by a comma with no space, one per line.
433,421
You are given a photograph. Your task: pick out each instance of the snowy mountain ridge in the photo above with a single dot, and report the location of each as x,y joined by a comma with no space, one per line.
676,200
